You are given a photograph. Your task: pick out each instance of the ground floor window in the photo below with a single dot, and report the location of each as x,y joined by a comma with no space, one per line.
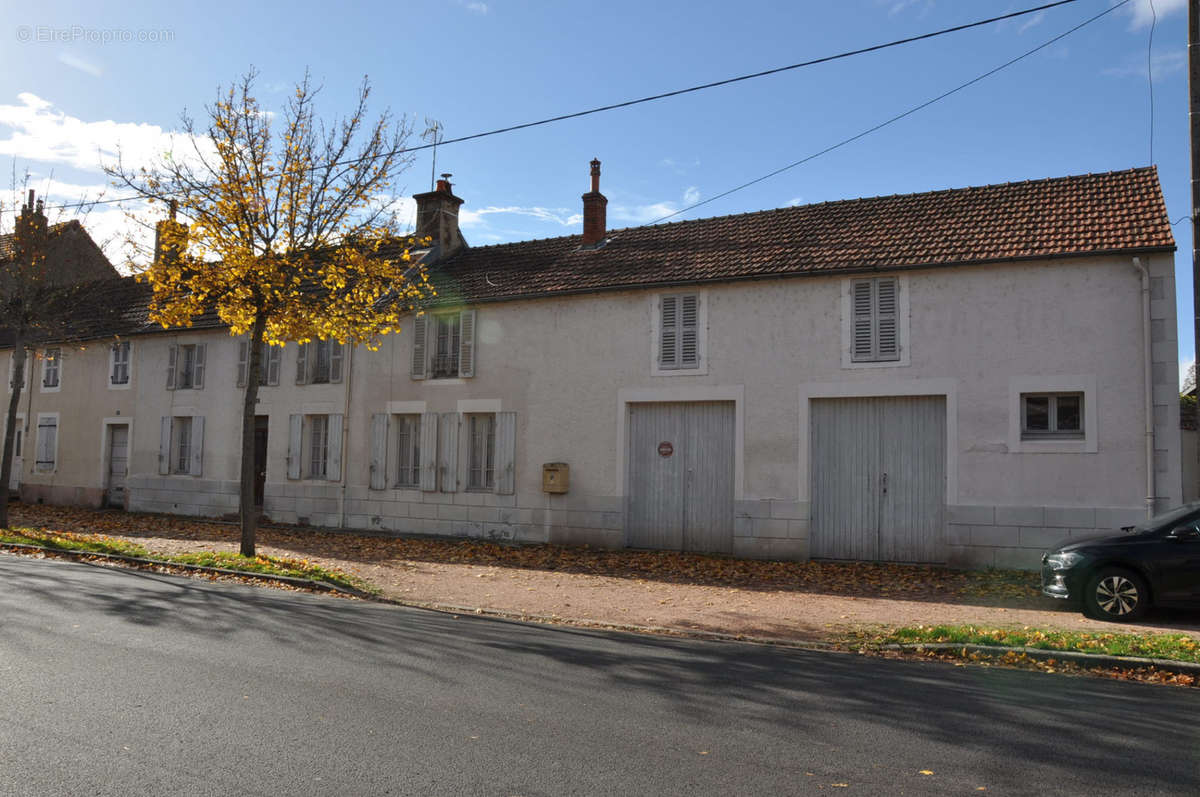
1051,416
408,459
481,451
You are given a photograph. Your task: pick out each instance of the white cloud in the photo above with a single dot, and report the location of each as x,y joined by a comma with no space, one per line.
40,132
1164,64
691,195
560,216
1143,13
474,5
900,6
794,201
1032,22
75,62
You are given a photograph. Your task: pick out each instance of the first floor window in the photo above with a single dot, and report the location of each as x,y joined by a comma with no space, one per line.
185,367
319,362
50,367
120,363
1051,416
181,448
408,461
875,329
447,336
47,442
481,451
318,446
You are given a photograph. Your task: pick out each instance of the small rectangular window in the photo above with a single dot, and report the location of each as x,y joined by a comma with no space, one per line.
447,339
119,375
186,369
47,442
50,367
874,331
318,446
1055,416
181,447
481,451
678,340
408,461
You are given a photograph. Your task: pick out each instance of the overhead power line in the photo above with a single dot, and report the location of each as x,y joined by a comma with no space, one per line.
895,118
654,97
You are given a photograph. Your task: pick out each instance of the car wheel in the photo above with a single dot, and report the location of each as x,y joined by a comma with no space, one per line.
1115,593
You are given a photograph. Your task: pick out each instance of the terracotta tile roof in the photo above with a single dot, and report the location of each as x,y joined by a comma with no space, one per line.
1067,216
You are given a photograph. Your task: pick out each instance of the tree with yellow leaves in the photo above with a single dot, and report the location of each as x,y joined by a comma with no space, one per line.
292,232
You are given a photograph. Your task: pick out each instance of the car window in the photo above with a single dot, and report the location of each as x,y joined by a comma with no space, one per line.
1171,519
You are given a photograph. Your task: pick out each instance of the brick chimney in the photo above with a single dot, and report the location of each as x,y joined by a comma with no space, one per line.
594,204
437,217
170,238
31,231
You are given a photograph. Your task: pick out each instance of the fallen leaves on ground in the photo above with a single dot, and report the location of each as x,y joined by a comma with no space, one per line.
859,579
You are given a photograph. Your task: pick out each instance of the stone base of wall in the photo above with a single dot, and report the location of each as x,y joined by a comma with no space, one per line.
182,495
91,497
771,529
1015,537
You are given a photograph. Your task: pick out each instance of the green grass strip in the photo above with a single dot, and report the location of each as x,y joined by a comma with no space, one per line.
266,565
1177,647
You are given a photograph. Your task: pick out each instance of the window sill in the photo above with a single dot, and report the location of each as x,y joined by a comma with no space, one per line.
1073,445
457,380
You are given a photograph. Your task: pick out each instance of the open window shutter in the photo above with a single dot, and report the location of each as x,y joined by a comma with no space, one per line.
429,451
198,379
689,336
302,364
295,429
885,315
668,332
164,446
419,359
466,343
243,363
197,445
379,442
448,439
274,356
863,316
335,361
333,468
506,450
172,360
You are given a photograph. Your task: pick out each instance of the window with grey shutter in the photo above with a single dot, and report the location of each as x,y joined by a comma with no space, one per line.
243,363
274,355
466,343
50,367
481,451
198,368
448,452
429,451
379,436
679,331
164,446
333,468
196,467
302,364
295,452
172,364
120,363
875,326
420,323
506,452
47,442
408,448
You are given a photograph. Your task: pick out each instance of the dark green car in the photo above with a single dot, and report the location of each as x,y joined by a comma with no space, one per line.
1120,576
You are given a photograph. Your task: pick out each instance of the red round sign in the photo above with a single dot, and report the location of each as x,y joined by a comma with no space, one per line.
665,449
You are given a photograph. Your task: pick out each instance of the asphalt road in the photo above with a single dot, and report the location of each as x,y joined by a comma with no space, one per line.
129,683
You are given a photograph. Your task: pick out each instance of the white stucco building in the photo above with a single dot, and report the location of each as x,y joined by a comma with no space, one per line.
964,376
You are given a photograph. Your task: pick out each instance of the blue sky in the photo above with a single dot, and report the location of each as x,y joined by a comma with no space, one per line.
77,77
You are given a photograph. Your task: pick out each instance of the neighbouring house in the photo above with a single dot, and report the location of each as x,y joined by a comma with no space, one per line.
962,376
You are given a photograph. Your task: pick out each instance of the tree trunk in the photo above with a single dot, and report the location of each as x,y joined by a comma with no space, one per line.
10,426
246,507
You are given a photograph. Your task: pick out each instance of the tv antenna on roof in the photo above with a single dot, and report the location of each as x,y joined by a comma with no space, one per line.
433,134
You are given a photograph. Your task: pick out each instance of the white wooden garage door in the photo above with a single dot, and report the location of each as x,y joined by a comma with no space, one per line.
680,476
878,478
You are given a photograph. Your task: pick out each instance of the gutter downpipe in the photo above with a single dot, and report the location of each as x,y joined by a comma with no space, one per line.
349,375
1147,385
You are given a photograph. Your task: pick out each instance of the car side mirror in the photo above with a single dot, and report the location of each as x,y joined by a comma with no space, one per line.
1184,534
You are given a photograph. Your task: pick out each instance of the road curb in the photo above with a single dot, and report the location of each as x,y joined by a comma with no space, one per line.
1043,654
321,586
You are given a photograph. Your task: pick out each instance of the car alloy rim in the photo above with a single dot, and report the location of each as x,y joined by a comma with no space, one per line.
1117,595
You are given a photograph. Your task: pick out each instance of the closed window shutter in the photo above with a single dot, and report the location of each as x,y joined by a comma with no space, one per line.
888,343
302,364
448,451
506,453
243,363
379,438
668,340
172,360
164,447
335,361
197,445
863,324
333,468
429,451
466,343
46,443
419,337
295,431
689,347
274,356
198,378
